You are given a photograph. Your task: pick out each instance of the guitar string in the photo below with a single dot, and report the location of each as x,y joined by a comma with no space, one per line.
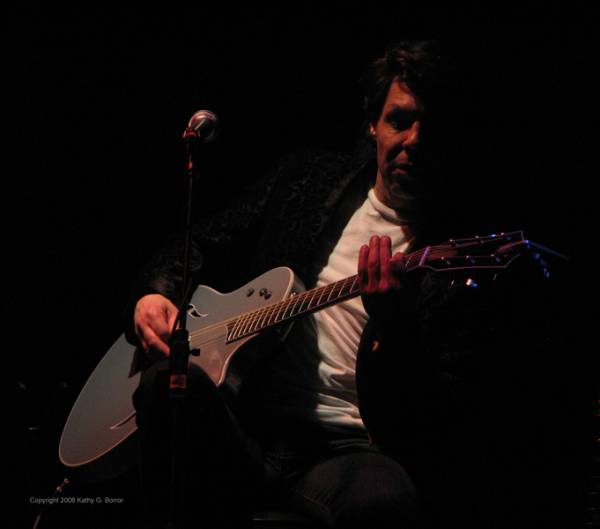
269,309
255,316
197,343
435,252
273,307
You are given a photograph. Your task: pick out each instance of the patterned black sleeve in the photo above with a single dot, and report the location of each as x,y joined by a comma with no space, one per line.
212,237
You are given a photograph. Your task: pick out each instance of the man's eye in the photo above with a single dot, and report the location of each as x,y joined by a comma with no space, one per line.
399,123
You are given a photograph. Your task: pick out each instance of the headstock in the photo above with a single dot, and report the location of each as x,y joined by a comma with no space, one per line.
490,252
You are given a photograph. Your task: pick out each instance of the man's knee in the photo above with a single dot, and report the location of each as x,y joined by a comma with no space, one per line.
383,495
395,508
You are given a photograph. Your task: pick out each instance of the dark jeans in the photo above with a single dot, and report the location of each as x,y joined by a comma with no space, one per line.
338,480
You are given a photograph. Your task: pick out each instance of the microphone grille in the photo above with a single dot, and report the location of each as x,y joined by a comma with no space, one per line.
205,125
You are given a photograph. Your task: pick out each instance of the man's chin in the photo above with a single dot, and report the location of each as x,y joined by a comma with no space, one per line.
407,205
403,193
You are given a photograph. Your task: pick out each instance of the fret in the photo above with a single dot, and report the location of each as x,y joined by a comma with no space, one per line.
345,290
239,326
353,287
230,326
246,324
272,315
255,321
312,298
322,291
293,301
340,286
423,259
303,305
231,333
250,324
287,305
329,290
296,299
264,317
349,287
332,294
277,317
231,329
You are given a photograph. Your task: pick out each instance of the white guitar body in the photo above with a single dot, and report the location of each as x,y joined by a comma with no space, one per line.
103,416
209,311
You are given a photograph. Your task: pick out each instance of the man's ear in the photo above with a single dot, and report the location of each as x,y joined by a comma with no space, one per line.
372,131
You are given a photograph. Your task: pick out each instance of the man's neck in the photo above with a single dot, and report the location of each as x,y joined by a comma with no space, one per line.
385,197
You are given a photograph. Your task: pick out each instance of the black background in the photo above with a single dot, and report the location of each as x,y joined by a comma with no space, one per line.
98,100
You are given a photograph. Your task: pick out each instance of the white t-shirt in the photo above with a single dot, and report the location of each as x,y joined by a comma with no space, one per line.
327,341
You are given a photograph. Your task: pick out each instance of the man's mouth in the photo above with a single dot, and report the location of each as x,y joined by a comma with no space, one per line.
406,168
405,180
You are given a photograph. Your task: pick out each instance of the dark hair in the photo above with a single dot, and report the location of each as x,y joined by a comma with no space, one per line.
432,76
416,63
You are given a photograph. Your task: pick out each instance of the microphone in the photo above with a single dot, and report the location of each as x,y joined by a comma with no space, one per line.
203,127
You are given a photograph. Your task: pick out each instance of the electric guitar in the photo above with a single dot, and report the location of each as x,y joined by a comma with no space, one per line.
103,417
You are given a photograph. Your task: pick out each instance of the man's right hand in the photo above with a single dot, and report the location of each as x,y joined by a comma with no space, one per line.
154,318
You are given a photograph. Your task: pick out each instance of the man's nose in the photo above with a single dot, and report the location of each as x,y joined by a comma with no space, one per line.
413,137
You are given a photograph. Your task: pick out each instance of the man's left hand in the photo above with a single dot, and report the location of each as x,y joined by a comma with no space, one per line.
382,280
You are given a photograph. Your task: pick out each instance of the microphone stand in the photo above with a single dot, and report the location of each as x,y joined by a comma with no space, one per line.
179,354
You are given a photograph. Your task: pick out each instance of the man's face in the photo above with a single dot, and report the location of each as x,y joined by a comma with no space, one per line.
397,133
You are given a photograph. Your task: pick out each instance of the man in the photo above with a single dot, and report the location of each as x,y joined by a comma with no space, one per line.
294,431
297,427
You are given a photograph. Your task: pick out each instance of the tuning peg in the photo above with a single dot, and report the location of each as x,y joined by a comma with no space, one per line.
469,282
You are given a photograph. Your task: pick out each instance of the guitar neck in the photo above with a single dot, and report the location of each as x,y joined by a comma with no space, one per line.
295,306
305,303
492,253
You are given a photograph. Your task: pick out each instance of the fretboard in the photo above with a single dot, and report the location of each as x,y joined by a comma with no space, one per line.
293,307
304,303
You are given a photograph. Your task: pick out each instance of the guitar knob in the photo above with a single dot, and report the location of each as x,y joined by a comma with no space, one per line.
265,293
